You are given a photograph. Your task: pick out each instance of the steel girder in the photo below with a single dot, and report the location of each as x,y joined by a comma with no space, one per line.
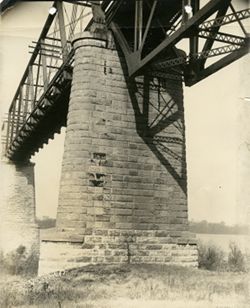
147,31
144,52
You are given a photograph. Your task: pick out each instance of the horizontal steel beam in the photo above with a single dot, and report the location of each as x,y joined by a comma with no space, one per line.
216,51
225,20
215,67
222,37
197,19
199,55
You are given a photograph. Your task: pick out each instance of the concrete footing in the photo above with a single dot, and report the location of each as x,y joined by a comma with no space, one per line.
61,251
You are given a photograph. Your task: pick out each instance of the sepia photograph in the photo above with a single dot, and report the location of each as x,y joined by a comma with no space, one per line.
125,154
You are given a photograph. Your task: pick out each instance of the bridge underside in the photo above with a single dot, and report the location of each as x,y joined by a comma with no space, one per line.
148,33
46,119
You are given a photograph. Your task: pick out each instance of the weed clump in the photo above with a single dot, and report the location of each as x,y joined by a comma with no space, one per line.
213,258
210,257
50,291
236,260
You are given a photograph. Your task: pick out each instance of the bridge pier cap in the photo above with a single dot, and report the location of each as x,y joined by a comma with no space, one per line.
93,36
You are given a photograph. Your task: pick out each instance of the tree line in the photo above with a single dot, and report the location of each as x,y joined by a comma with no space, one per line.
46,222
217,228
194,226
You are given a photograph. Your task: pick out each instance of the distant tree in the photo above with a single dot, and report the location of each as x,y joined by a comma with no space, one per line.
217,228
46,222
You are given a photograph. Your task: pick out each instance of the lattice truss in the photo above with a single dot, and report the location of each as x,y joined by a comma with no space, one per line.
50,65
163,39
201,37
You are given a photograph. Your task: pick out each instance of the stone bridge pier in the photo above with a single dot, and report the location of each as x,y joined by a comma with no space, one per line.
123,186
17,212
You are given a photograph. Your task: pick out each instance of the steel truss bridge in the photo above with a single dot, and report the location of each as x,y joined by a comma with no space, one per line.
160,38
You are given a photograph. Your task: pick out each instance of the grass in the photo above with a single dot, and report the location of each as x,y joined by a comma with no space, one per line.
128,286
222,282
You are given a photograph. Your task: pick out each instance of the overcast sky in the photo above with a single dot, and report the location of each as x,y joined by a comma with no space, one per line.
216,124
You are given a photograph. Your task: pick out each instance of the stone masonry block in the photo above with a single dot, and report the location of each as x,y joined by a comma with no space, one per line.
140,185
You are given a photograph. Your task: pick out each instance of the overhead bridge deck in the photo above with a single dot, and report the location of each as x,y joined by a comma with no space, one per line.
148,33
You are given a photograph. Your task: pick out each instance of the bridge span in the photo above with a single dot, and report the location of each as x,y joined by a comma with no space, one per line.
112,72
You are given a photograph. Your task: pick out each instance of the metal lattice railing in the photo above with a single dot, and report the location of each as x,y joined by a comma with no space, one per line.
49,54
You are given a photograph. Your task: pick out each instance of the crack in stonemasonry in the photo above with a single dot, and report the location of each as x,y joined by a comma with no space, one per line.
128,241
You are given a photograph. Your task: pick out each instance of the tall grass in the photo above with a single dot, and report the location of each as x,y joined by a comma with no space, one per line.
56,291
236,259
36,293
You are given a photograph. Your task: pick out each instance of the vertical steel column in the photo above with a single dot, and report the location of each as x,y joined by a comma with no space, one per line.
62,30
19,108
146,98
31,84
194,40
37,76
13,110
44,67
138,24
185,16
8,133
27,95
148,24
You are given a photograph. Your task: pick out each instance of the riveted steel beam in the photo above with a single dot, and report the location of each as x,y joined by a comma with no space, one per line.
197,19
225,20
213,68
210,41
223,37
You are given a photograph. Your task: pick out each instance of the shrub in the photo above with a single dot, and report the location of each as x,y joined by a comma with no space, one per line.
236,260
210,257
19,262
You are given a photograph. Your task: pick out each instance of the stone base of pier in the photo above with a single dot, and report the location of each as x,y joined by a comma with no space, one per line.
61,251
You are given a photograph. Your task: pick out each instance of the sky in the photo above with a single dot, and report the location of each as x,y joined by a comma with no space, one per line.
216,117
